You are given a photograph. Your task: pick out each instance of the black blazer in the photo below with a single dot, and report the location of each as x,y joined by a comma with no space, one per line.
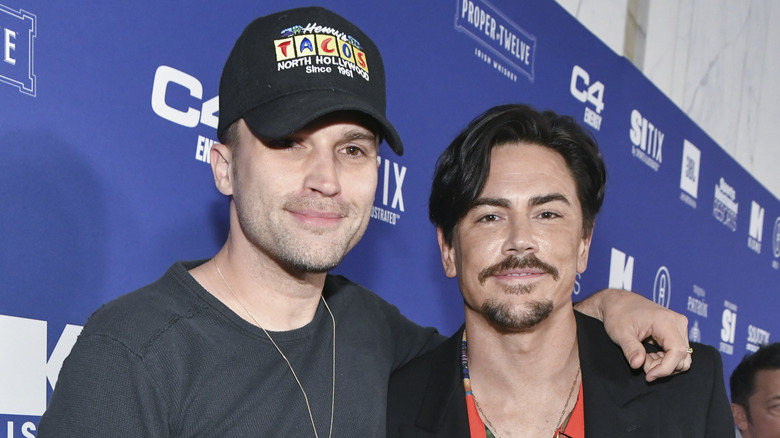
426,397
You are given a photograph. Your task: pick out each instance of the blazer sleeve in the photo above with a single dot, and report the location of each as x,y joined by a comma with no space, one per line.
720,422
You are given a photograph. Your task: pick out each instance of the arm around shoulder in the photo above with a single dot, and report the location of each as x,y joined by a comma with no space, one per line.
630,318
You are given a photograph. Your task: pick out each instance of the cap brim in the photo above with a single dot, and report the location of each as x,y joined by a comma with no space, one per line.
279,117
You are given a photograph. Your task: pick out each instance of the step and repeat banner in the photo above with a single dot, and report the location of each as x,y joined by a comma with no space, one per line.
108,111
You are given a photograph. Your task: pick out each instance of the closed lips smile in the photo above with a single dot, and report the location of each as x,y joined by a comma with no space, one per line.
317,217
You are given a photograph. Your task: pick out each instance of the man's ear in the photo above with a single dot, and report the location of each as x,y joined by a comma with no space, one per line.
221,165
447,255
584,251
740,416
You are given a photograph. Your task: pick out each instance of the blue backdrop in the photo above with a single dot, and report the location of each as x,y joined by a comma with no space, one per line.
107,111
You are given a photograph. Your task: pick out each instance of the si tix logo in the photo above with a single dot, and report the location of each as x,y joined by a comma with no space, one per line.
589,93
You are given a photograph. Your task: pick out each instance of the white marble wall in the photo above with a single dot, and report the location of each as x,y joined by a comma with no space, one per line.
718,60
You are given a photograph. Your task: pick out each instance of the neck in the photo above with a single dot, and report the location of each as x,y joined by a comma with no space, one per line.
258,289
514,362
524,381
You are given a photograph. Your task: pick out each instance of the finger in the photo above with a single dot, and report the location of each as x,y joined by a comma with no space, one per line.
652,360
634,352
666,363
686,363
675,357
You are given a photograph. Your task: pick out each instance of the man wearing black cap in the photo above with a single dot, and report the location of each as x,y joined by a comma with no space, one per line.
260,340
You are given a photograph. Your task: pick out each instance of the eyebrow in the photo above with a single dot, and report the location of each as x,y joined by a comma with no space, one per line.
492,202
545,199
359,134
534,201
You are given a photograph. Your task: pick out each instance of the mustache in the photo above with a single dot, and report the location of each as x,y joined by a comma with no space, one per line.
518,262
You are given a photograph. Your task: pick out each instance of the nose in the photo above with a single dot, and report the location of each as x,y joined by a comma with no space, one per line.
322,173
520,237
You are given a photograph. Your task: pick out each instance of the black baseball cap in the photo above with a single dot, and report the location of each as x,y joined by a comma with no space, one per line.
292,67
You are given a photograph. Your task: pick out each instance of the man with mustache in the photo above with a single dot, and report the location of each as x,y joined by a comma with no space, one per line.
259,341
514,199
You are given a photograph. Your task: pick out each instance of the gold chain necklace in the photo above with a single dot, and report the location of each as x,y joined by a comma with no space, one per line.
560,420
305,397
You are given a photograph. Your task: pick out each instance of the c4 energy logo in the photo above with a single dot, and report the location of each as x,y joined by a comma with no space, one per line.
590,92
647,141
507,47
689,176
756,229
662,287
24,370
17,43
395,203
621,270
181,111
725,205
318,48
728,328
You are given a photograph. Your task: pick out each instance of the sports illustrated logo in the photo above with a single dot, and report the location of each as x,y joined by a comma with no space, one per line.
508,48
588,93
725,205
662,287
383,191
647,141
180,111
728,328
756,338
18,30
756,229
694,334
689,177
621,270
23,386
325,46
776,244
697,304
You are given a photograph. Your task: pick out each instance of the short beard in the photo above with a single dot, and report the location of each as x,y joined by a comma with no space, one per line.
508,319
297,258
294,255
301,264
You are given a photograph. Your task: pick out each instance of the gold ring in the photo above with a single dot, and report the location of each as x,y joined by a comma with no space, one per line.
689,350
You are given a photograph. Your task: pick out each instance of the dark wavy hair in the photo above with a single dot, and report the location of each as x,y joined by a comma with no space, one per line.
743,379
462,169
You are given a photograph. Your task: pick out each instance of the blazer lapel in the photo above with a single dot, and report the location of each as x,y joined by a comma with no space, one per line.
609,385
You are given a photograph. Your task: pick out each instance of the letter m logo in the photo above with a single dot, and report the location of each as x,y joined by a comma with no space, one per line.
756,221
621,270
